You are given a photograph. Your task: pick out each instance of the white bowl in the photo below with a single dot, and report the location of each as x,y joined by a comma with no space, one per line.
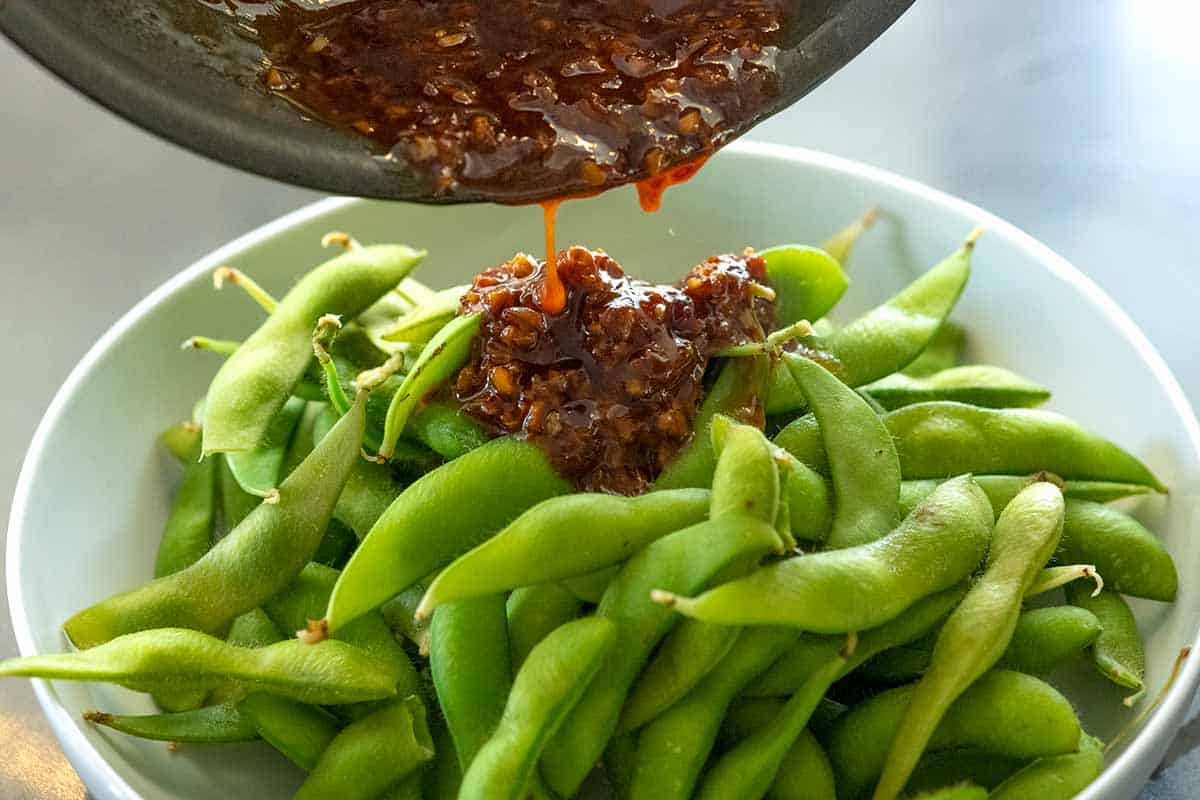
94,488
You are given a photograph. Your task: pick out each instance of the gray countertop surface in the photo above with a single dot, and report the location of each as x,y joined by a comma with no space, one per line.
1077,121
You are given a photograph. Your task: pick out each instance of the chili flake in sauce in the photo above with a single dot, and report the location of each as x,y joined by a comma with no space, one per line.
610,386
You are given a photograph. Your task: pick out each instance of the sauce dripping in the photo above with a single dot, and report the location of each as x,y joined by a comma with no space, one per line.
552,296
650,190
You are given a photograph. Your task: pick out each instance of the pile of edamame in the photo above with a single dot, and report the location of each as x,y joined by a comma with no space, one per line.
836,604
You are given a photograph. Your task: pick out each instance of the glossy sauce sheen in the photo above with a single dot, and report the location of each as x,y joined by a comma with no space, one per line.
503,99
610,386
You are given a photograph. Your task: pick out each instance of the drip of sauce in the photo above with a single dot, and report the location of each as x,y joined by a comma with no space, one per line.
650,190
552,296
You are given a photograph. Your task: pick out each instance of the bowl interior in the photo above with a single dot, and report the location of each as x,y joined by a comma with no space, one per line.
95,488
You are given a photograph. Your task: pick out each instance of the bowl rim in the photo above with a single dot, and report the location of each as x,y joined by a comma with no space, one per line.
1162,722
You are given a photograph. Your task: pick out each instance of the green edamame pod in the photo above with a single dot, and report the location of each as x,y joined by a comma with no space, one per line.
980,385
591,587
541,545
747,771
177,658
533,613
842,243
809,652
400,614
1001,489
808,282
748,714
446,352
439,517
978,632
1118,650
236,502
256,380
938,439
687,558
745,477
300,732
258,470
182,440
1005,713
1131,559
251,564
446,430
951,767
218,724
1055,777
862,459
810,508
944,351
444,776
935,547
737,393
805,773
304,437
886,339
1043,640
423,322
472,669
619,762
371,754
548,686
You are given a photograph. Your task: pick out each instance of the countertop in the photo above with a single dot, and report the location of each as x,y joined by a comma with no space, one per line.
1079,122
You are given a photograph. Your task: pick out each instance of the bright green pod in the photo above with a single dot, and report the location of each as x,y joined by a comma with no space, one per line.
862,458
251,564
885,339
217,724
446,430
934,548
1058,777
423,322
591,587
439,517
182,440
944,351
805,773
550,683
472,669
371,754
1005,713
978,632
682,561
979,385
1118,650
565,537
534,612
951,767
236,502
176,658
446,352
300,732
808,282
253,384
258,469
748,714
1001,489
940,439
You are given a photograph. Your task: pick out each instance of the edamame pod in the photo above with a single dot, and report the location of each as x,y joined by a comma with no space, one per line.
217,724
446,430
550,683
944,351
565,537
439,517
808,282
862,459
472,669
236,502
423,322
188,534
258,469
1055,777
805,773
446,352
938,439
1118,650
737,393
1005,713
257,379
961,791
1001,489
534,612
886,339
182,440
172,658
371,753
980,385
300,732
950,767
251,564
684,561
977,632
935,547
747,771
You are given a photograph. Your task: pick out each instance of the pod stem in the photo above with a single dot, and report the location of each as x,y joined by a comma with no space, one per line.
1137,721
371,379
316,632
340,239
1054,577
322,340
222,347
774,341
842,243
246,284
